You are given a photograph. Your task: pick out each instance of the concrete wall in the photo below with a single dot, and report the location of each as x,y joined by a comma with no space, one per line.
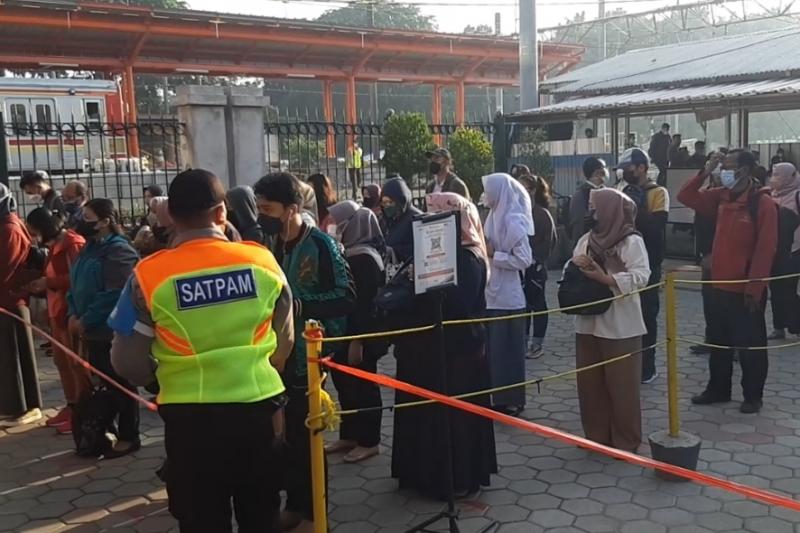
224,131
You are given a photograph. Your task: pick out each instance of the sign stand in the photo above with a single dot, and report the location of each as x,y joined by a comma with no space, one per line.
436,244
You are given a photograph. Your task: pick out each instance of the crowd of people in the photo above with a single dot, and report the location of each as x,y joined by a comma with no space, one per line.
203,302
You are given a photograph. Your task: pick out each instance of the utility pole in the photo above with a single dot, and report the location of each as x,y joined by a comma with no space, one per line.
528,56
374,93
498,92
600,126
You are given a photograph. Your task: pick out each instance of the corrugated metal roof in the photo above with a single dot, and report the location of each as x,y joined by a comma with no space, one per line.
756,55
695,94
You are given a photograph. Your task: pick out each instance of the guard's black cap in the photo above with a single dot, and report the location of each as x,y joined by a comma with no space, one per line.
194,191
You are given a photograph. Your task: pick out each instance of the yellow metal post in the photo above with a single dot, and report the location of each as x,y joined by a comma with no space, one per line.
313,336
672,355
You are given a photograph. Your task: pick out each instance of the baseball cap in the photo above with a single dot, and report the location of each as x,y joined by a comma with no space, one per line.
194,191
633,156
442,152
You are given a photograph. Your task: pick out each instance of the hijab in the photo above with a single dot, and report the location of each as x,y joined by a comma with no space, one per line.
471,228
242,205
399,233
359,229
785,183
159,208
8,204
374,199
615,213
510,217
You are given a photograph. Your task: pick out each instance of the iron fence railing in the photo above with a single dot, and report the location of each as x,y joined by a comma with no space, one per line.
103,155
305,147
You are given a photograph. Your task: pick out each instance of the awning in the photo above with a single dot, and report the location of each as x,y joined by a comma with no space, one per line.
657,100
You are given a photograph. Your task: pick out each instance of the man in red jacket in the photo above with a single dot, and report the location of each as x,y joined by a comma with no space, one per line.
743,248
20,396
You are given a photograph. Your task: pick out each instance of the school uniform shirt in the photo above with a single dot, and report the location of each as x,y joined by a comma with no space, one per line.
504,290
623,319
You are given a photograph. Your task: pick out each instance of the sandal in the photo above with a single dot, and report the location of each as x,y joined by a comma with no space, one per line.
340,446
360,453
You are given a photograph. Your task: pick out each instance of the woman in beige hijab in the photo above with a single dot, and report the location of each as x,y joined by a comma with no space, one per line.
612,253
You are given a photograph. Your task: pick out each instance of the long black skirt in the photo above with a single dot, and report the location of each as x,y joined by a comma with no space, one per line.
19,381
418,450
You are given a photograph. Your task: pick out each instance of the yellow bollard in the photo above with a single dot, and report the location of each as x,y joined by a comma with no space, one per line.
672,355
313,336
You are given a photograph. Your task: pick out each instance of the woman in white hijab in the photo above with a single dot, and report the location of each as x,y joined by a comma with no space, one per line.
508,228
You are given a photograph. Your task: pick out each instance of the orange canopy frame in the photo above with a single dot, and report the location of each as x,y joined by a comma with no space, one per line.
118,39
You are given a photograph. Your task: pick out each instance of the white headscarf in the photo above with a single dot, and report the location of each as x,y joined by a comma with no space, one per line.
510,217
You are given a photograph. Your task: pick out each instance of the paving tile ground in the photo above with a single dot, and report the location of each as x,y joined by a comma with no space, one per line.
542,485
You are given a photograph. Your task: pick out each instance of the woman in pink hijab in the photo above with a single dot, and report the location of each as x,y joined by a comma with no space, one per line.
785,185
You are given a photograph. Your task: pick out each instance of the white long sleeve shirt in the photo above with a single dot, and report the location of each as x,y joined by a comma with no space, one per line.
504,289
623,319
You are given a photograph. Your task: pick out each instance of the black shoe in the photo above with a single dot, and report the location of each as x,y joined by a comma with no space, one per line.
115,454
699,350
707,398
750,408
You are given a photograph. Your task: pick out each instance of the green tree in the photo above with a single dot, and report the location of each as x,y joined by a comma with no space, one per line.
303,154
473,156
406,139
386,14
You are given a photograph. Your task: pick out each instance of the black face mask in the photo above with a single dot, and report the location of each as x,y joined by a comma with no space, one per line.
629,176
270,225
435,167
86,229
589,222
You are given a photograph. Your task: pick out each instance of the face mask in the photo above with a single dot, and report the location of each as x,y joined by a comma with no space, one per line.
35,198
87,229
435,167
390,211
270,225
728,178
370,202
589,222
332,231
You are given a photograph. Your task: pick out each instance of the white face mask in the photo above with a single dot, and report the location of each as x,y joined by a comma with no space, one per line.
728,178
332,230
35,198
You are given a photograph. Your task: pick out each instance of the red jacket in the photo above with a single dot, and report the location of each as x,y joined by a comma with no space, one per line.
15,246
741,250
56,274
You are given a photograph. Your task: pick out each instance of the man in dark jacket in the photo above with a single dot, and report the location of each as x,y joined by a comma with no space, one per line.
652,202
323,289
595,173
659,144
36,185
444,180
744,247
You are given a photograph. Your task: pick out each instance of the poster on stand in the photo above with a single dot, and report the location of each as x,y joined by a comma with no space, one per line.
435,252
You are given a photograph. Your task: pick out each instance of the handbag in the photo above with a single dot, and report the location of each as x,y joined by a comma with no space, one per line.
398,293
575,288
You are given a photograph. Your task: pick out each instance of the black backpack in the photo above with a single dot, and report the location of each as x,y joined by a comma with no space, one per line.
92,421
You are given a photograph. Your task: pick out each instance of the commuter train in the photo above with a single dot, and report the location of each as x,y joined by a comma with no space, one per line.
59,124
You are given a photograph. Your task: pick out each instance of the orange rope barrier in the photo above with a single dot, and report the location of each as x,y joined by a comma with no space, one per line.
83,362
730,486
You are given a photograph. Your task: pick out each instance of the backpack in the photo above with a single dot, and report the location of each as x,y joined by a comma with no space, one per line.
788,221
639,195
92,421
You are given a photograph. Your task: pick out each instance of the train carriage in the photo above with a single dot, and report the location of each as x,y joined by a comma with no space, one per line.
57,124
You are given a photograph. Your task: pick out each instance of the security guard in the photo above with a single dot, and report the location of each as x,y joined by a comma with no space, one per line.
212,320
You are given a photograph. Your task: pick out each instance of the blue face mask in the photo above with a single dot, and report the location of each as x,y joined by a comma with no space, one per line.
728,178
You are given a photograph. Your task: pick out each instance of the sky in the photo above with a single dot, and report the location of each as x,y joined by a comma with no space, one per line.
451,19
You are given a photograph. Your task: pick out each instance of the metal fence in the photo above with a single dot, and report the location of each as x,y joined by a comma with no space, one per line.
100,154
305,147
